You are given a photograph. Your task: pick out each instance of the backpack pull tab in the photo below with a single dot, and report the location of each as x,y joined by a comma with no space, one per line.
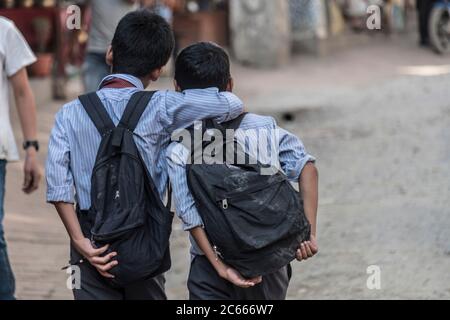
117,137
225,204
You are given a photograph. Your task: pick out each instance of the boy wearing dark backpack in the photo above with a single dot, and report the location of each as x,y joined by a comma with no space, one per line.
226,203
109,147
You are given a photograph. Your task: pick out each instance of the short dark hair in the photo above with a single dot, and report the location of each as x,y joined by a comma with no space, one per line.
202,65
143,42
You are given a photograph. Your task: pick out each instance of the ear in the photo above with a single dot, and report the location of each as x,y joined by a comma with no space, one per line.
230,85
109,56
176,86
155,74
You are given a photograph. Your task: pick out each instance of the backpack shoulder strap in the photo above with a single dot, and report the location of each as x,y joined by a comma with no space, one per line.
232,124
135,108
235,123
97,112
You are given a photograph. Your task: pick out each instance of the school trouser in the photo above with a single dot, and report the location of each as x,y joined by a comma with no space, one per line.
205,284
93,286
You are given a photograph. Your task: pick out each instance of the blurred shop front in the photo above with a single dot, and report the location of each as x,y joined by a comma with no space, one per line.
265,33
260,33
43,24
201,20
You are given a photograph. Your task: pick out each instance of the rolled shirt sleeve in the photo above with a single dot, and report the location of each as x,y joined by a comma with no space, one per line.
17,52
60,185
292,154
177,156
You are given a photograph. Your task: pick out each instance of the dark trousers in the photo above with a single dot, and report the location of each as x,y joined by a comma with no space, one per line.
95,287
205,284
424,7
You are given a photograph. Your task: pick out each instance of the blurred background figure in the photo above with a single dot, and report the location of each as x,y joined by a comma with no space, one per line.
104,17
164,8
424,8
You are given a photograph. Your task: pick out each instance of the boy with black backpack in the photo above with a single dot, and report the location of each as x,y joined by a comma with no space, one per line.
232,192
109,147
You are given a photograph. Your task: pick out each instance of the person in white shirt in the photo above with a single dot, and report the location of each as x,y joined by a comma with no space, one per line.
105,15
15,55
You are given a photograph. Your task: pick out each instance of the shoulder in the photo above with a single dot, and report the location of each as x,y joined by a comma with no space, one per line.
68,110
159,97
254,121
8,30
6,24
6,27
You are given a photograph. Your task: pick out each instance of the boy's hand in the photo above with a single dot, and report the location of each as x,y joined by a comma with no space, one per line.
237,279
32,172
102,264
308,249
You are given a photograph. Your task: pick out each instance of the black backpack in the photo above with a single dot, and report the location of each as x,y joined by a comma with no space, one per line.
126,211
254,222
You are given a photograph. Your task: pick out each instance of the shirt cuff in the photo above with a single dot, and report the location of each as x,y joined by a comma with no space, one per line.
294,173
191,220
60,194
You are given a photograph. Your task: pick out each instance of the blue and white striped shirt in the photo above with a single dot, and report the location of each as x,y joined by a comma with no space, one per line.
257,134
74,140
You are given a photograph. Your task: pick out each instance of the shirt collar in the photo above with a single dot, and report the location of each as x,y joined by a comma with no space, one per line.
127,77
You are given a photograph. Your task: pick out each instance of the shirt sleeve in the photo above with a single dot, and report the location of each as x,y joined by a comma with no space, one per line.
181,109
177,156
292,154
17,52
60,185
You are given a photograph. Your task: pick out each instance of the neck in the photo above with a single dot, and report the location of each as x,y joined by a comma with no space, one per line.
145,81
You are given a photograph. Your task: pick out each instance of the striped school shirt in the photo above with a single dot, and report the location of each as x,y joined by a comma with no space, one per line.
74,140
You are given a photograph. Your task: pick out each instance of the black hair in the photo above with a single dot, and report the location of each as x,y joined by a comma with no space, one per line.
202,65
143,42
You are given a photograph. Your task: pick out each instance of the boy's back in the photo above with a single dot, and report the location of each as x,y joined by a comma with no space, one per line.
289,155
74,141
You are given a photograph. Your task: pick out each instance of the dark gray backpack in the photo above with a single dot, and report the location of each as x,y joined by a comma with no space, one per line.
255,222
126,211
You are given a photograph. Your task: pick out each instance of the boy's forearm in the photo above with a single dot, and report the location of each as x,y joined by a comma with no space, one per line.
25,104
69,218
203,243
309,182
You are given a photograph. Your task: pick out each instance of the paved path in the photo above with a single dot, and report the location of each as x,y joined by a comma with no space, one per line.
381,138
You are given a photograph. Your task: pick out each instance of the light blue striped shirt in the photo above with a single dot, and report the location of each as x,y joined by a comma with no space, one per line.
74,140
258,135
